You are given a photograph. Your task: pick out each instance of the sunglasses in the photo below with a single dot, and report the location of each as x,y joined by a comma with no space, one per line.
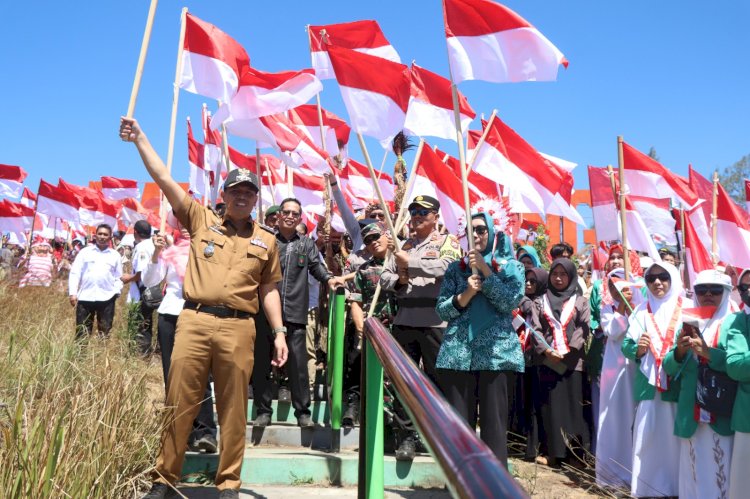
290,213
422,212
704,289
379,216
480,230
371,239
663,277
743,288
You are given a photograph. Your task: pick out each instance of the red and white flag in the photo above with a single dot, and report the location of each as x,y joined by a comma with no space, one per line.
11,180
603,206
566,165
200,179
488,41
356,182
699,316
479,184
213,157
119,188
375,92
430,110
362,36
732,227
28,198
309,189
131,210
639,237
657,216
335,130
697,257
212,61
55,201
93,208
15,218
263,94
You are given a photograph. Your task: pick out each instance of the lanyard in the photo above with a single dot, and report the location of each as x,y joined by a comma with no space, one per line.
559,338
665,342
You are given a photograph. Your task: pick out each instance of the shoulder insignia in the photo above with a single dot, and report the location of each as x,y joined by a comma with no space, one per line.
409,244
266,228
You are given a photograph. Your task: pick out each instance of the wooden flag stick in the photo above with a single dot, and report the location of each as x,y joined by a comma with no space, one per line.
623,187
714,214
142,58
383,205
611,173
382,163
271,185
173,122
260,183
290,181
464,173
482,138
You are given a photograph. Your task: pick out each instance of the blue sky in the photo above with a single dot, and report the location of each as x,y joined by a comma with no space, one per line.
668,74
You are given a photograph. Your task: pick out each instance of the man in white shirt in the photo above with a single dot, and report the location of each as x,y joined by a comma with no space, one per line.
94,284
142,253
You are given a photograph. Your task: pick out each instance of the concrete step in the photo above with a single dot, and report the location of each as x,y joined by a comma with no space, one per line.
301,466
291,435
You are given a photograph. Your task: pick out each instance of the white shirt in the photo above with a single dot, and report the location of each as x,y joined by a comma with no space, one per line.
141,256
153,274
95,274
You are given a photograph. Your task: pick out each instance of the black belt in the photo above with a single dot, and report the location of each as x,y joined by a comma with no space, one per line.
416,302
217,310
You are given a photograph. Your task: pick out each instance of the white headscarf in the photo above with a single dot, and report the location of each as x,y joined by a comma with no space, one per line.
663,308
725,306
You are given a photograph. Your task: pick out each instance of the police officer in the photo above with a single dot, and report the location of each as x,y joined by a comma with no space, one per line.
233,264
415,274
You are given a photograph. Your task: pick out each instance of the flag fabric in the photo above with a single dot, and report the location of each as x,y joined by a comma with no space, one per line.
28,198
200,179
732,227
335,129
11,180
309,189
566,165
480,185
747,195
212,61
697,257
16,218
698,316
119,188
213,158
375,92
362,36
603,206
93,208
263,94
430,111
638,234
356,182
55,201
657,216
131,210
488,41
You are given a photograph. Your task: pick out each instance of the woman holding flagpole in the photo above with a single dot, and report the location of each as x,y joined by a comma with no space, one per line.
652,329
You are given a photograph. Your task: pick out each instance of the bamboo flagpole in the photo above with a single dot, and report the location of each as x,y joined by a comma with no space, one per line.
173,122
623,187
271,185
714,215
260,183
383,205
485,132
142,58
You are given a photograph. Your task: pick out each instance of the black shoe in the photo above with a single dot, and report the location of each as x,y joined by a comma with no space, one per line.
207,443
305,421
160,491
285,395
262,420
407,450
229,494
351,415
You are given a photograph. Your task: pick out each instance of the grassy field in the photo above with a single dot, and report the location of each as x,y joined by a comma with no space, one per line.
75,420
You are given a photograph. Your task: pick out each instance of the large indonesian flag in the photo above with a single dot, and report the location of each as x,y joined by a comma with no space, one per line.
697,257
263,94
93,208
375,92
356,182
11,180
488,41
430,110
335,130
309,189
15,218
119,188
732,228
55,201
200,179
480,185
212,61
362,36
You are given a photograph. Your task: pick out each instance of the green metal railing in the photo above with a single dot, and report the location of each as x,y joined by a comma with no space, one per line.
335,364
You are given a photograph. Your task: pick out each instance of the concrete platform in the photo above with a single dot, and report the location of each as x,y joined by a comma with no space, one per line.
291,435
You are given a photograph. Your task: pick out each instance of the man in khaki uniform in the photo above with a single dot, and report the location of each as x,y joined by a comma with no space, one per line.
415,274
233,265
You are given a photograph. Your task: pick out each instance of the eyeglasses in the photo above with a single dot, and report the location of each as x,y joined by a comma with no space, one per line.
371,239
422,212
743,288
663,277
480,230
290,213
704,289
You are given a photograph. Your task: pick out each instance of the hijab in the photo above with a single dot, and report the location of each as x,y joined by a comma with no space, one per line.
531,252
498,245
542,277
558,297
725,305
662,308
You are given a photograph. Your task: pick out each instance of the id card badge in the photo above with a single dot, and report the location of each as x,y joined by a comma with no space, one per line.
301,259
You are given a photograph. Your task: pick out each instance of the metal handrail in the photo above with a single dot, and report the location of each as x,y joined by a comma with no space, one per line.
471,469
335,362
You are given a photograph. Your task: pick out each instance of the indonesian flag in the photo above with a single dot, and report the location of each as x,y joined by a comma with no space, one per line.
488,41
212,61
93,208
119,188
375,92
15,218
200,179
434,178
362,36
698,316
697,257
11,180
566,165
335,129
130,212
356,182
213,160
480,185
55,201
532,183
309,189
732,228
430,110
28,198
263,94
657,216
638,234
603,206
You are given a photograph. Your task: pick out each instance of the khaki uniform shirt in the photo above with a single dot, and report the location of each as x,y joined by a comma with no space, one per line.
226,264
428,260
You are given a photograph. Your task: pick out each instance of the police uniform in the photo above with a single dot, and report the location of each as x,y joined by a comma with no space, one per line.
216,331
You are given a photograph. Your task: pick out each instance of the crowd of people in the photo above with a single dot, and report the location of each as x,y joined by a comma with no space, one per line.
646,372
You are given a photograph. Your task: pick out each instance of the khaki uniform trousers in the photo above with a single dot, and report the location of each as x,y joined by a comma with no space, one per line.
223,346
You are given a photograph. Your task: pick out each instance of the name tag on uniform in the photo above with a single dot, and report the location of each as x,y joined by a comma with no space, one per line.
216,229
259,243
431,254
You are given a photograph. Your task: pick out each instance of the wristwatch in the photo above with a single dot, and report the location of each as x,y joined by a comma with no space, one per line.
280,329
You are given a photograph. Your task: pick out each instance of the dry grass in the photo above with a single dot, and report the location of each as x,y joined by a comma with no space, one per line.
75,421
